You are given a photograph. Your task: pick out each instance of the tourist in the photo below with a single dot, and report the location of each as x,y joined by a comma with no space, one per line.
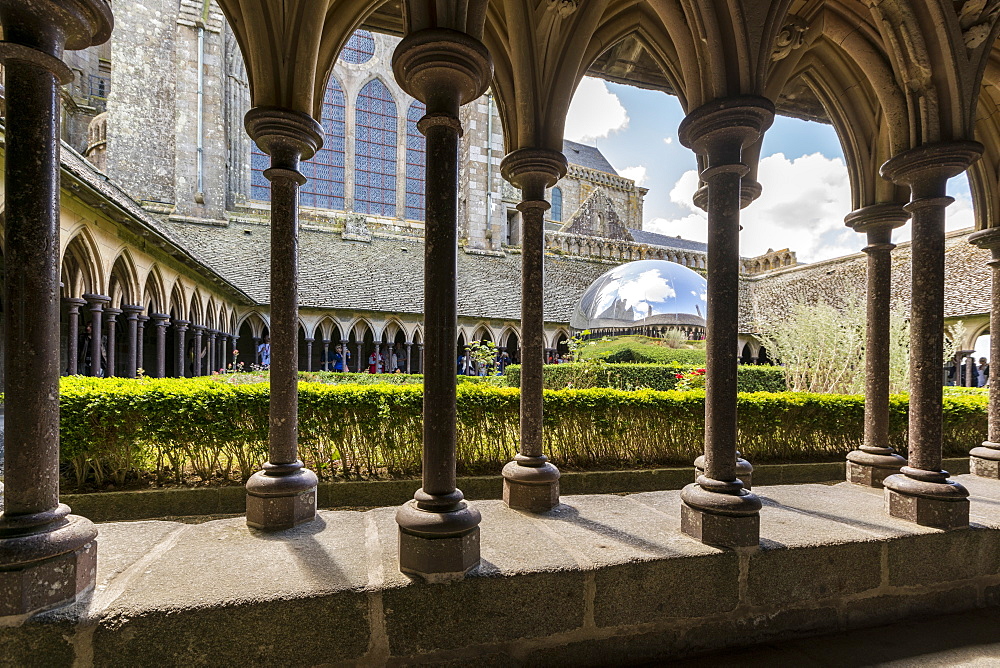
85,355
393,359
984,372
341,357
400,359
375,362
264,352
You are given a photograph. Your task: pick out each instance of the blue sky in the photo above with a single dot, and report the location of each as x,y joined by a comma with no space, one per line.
806,190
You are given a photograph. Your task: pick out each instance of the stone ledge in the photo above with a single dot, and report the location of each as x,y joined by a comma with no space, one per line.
158,503
599,579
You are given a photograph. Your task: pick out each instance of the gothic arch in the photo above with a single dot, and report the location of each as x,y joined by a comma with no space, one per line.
153,293
82,264
123,283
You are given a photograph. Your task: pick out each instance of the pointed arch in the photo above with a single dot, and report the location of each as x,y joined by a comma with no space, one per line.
178,304
82,268
123,284
153,293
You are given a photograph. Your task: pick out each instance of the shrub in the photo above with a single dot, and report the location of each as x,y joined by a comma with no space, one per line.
751,378
116,429
642,349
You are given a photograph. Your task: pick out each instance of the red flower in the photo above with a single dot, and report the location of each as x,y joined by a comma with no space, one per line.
678,376
699,371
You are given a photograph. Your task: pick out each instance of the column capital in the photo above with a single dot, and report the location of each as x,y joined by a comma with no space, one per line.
722,128
160,319
132,310
988,239
143,319
750,190
533,170
74,302
79,23
93,299
181,324
112,313
878,221
931,164
285,135
442,67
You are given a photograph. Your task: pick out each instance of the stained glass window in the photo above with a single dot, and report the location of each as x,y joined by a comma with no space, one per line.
416,160
359,48
375,151
325,171
557,205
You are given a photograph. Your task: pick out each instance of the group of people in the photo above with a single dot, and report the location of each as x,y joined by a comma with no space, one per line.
394,361
959,373
468,366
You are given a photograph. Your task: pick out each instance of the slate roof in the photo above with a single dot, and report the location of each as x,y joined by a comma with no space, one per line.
839,281
385,274
587,156
656,239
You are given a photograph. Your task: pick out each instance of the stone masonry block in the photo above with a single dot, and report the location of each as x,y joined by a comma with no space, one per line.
787,576
42,642
533,498
937,513
649,591
720,530
623,650
869,476
943,557
280,512
299,631
47,584
984,468
440,558
888,609
423,618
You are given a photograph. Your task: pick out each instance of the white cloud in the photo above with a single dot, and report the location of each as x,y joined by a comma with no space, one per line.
595,112
637,174
668,140
802,207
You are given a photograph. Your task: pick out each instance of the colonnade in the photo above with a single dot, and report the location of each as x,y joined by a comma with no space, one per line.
444,62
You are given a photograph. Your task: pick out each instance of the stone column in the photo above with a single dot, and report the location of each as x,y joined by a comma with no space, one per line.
72,349
111,324
212,333
984,461
438,530
309,354
161,321
359,360
96,306
134,341
875,460
326,356
199,332
47,556
344,346
420,357
531,482
409,352
256,346
284,493
970,364
922,492
717,509
180,327
141,339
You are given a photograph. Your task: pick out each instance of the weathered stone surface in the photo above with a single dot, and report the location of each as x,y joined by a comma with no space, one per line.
888,608
985,468
44,643
282,632
937,513
438,557
532,498
525,606
42,585
614,651
870,476
657,590
721,530
944,557
784,576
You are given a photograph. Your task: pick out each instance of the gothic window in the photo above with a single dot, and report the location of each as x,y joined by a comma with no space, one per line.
557,205
416,159
359,48
375,151
325,170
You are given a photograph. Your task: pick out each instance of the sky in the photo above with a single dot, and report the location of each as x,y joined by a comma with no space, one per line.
806,192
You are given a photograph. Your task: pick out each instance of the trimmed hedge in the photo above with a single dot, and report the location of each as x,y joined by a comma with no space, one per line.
332,377
641,349
629,376
114,430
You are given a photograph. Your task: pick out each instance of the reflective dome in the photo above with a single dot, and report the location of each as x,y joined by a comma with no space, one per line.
646,292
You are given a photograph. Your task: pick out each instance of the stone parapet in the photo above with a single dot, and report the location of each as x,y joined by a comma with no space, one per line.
600,579
619,250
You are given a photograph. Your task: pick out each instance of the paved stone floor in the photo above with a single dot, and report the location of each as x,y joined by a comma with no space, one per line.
969,639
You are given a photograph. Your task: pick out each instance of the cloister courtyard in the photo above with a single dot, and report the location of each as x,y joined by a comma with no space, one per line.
554,437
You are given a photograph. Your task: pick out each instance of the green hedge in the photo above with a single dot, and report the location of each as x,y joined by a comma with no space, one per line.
114,430
751,378
642,349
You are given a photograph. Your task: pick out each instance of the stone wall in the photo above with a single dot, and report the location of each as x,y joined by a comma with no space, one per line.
617,251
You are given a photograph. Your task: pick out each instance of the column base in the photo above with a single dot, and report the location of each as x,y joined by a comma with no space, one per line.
46,569
722,519
744,470
984,461
438,545
531,488
277,501
930,500
871,469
